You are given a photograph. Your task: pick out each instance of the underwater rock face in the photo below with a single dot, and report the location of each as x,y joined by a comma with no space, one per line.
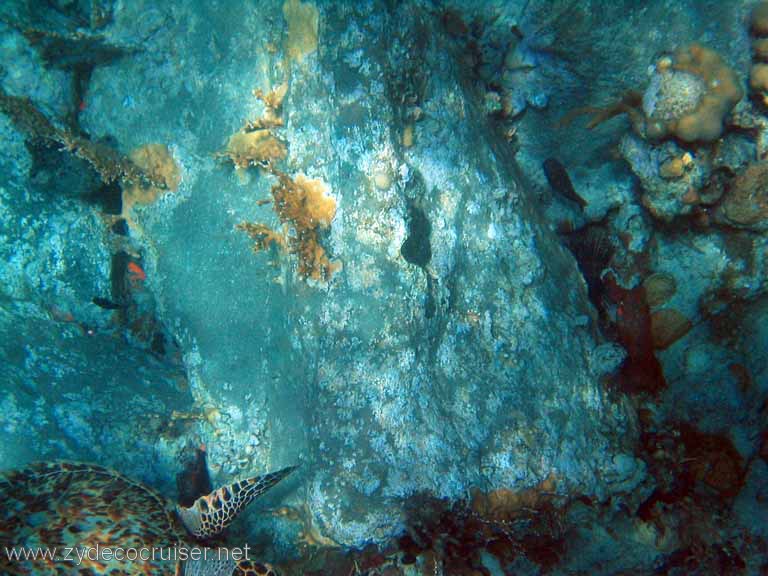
416,367
451,350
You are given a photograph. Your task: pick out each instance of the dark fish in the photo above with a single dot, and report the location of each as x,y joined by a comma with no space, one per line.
107,304
194,481
560,182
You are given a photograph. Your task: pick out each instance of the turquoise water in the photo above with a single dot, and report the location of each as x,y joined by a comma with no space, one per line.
492,274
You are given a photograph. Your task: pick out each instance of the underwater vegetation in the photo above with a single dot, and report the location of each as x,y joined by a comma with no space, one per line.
545,352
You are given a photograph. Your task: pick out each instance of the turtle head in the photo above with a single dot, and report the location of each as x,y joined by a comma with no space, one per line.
210,514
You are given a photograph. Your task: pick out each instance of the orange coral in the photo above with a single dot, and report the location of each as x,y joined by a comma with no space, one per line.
156,161
504,504
303,204
257,148
263,236
273,100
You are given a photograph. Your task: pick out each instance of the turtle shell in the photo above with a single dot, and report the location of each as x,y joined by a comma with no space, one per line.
51,511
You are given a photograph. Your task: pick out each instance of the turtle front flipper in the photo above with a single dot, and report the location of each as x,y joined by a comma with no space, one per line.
210,514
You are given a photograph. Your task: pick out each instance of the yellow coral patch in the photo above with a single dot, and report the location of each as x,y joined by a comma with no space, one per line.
259,147
302,19
156,161
273,100
672,169
304,205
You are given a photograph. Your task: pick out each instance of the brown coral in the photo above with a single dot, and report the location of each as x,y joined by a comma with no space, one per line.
162,172
303,204
303,19
273,101
745,203
689,96
667,327
263,236
720,91
256,148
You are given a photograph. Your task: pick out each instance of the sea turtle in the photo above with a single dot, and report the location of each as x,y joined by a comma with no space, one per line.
74,518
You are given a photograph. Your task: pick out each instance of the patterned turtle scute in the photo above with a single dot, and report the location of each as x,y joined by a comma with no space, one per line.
66,508
51,514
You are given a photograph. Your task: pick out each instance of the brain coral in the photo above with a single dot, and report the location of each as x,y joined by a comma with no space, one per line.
689,95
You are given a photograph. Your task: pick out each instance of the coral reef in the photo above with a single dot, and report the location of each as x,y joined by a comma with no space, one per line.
157,163
302,19
745,201
256,148
263,236
689,95
304,205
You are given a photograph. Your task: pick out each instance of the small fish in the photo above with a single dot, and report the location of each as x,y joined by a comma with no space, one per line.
560,182
107,304
136,273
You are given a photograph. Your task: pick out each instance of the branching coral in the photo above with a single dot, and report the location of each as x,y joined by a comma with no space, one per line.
255,145
257,148
273,101
109,163
302,204
262,235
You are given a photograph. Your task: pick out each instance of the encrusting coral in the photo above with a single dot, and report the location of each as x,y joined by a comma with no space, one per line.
256,148
300,203
689,96
255,144
156,162
303,19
